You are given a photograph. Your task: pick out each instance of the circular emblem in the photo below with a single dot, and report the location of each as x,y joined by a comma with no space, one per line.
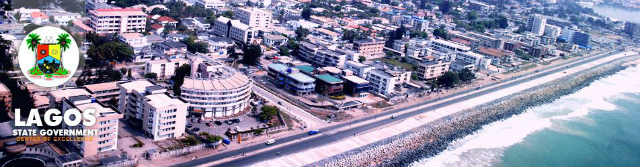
48,56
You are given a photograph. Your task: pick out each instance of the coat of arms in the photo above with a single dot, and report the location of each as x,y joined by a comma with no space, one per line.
48,56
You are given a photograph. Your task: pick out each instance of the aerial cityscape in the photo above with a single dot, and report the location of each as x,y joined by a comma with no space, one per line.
282,83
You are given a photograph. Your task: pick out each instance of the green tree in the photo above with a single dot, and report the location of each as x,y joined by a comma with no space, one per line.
306,13
441,32
283,51
301,33
228,14
252,54
445,6
178,78
196,47
448,79
466,75
362,59
268,112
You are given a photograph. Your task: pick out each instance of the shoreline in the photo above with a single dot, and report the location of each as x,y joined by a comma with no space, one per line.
431,139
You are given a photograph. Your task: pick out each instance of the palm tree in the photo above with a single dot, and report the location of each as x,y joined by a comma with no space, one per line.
64,41
32,41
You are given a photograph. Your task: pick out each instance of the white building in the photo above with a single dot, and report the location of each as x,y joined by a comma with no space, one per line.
164,117
448,46
254,17
211,4
136,40
552,31
163,68
132,98
386,82
536,24
118,20
215,90
106,125
359,69
432,68
469,58
234,29
62,17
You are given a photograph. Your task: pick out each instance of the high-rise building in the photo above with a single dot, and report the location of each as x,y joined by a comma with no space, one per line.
254,17
633,29
536,24
163,116
106,125
582,39
118,20
552,31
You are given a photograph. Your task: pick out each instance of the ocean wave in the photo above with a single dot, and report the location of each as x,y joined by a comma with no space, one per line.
486,146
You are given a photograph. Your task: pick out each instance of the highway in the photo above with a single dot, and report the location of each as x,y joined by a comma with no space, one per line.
326,138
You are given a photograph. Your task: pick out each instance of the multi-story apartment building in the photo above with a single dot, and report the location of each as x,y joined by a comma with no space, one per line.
211,4
106,125
371,49
136,40
234,29
358,69
356,86
448,46
329,85
254,17
132,98
536,24
385,82
323,56
432,68
291,79
118,20
56,96
104,92
164,117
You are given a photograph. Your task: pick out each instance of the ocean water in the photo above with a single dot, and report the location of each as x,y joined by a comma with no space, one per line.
598,125
618,13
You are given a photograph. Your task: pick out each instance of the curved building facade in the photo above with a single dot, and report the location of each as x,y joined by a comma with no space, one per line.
216,91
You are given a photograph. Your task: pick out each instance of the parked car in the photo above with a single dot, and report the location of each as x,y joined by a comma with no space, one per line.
217,122
196,129
270,141
313,132
226,141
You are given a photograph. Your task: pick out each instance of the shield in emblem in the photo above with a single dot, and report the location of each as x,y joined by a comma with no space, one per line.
48,58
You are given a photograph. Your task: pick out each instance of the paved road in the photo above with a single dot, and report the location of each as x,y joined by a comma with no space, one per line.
325,138
309,120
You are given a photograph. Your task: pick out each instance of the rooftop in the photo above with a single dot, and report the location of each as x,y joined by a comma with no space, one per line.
306,68
137,85
118,12
355,79
300,77
329,78
65,93
162,100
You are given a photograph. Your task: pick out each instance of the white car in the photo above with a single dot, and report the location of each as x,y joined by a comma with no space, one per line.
270,141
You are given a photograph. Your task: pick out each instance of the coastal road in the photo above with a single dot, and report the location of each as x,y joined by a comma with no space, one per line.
372,122
308,119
